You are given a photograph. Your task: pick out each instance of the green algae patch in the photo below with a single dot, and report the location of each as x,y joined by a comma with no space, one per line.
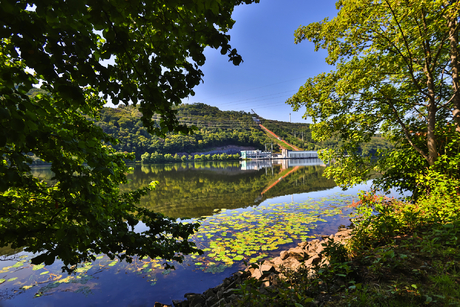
232,236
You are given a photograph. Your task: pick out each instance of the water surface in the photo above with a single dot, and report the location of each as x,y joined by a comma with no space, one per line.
250,212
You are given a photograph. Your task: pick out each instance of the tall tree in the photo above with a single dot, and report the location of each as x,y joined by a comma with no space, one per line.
396,72
154,51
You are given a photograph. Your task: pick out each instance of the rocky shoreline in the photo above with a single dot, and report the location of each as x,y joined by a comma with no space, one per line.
308,254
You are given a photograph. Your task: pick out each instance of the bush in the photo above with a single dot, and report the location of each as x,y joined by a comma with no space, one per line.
381,218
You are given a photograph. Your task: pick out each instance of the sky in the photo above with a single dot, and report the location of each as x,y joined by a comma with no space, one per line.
274,66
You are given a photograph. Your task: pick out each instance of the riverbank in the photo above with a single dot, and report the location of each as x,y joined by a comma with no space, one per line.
266,275
408,254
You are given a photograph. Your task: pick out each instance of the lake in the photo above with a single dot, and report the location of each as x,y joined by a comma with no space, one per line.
250,212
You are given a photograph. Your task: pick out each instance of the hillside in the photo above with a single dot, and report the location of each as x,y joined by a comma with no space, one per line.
214,129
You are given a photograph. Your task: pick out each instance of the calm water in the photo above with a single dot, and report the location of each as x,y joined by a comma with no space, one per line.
239,202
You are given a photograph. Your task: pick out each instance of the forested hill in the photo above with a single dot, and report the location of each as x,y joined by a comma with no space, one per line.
215,128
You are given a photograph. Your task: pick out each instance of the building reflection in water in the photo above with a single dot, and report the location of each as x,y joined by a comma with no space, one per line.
247,165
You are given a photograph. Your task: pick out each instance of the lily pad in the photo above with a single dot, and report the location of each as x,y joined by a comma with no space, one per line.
38,267
18,264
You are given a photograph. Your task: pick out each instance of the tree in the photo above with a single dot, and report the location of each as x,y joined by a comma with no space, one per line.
155,50
396,72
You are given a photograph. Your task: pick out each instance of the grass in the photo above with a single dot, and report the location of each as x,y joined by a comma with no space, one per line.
401,254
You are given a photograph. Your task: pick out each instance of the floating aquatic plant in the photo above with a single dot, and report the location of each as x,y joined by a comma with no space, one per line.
232,236
228,238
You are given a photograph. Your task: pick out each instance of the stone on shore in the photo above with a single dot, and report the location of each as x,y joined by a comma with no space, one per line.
308,254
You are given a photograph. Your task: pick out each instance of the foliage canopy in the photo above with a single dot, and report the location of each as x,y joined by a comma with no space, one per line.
396,73
155,50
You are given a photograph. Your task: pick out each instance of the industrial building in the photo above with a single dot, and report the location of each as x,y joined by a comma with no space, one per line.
255,154
288,154
285,154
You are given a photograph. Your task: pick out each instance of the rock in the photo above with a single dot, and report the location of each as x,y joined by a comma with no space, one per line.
313,245
232,299
277,262
178,303
267,266
232,284
292,263
269,273
302,244
344,233
266,283
257,274
221,302
228,292
312,261
195,300
212,300
297,253
220,294
319,249
273,279
208,293
284,255
226,282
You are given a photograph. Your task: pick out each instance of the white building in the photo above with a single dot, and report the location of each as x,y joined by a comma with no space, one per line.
255,154
287,154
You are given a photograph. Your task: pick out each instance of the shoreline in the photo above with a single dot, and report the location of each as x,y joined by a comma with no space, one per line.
307,254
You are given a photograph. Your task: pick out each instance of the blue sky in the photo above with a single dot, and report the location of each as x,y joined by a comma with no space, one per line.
273,68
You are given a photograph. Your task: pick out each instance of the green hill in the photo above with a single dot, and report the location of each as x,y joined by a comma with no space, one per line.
214,129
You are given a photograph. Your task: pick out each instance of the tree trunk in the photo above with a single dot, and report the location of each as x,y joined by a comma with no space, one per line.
431,137
453,38
431,106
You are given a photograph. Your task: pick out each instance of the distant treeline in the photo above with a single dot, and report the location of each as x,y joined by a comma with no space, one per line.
160,158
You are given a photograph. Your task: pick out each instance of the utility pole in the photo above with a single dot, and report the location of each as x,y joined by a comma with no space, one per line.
268,144
289,117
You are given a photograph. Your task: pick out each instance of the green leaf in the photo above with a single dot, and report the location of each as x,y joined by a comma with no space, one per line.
38,267
18,264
